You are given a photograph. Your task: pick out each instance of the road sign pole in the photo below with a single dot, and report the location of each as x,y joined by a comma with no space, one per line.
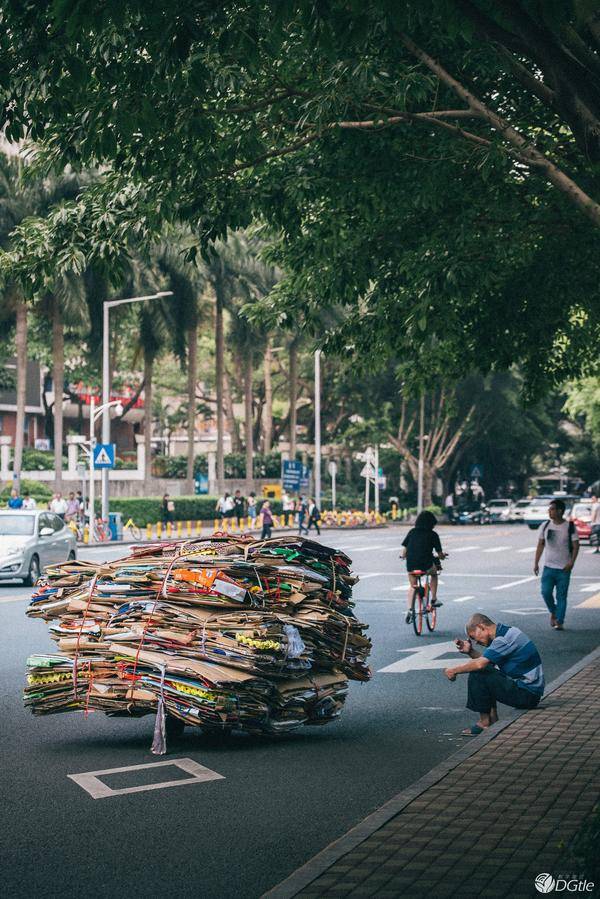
92,490
333,496
105,402
367,482
377,479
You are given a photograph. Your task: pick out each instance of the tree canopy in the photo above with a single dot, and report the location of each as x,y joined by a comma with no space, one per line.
428,171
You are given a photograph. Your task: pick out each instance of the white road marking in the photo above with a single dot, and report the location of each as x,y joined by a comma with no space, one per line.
496,549
592,602
530,610
364,549
15,599
589,588
91,783
401,587
422,658
463,598
524,580
463,549
590,552
527,549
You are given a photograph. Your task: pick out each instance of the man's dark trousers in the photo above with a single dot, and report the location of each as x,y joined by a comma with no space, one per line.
489,686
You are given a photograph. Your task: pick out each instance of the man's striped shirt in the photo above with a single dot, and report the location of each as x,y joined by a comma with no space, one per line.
517,657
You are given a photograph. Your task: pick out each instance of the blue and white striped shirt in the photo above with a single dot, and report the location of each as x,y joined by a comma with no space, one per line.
517,657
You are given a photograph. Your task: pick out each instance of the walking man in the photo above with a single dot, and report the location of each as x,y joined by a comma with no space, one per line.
559,542
508,671
267,521
302,515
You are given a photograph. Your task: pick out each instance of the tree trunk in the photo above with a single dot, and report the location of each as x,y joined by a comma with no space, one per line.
268,410
248,437
219,376
229,412
428,478
21,349
294,398
148,368
191,388
58,379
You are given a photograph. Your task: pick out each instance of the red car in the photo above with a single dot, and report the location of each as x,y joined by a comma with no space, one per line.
581,516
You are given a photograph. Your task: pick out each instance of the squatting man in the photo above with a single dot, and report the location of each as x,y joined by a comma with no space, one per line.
509,670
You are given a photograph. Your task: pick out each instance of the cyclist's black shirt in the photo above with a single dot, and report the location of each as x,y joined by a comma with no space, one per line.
420,543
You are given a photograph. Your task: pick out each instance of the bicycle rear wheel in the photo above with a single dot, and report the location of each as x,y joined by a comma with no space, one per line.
430,610
417,610
135,532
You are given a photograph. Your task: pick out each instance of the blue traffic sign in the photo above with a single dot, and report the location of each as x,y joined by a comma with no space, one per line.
291,474
476,470
104,455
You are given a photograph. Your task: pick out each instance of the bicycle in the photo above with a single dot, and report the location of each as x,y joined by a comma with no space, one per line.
101,531
134,530
421,605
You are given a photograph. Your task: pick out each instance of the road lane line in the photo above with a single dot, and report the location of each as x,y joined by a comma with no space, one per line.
463,598
524,580
528,549
496,549
463,549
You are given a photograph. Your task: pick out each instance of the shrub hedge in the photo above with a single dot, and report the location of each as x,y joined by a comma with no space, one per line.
147,510
37,489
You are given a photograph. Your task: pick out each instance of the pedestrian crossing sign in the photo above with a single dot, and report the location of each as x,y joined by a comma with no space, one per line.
104,455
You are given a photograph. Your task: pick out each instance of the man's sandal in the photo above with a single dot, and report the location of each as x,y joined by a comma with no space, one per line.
472,731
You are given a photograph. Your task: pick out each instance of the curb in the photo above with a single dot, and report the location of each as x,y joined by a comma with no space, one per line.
321,862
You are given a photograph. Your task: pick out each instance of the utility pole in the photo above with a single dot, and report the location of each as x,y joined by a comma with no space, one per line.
421,459
318,428
377,478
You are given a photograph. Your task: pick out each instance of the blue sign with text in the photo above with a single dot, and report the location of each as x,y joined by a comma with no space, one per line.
291,474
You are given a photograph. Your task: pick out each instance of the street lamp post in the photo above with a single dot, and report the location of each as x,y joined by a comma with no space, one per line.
94,413
108,305
421,454
318,428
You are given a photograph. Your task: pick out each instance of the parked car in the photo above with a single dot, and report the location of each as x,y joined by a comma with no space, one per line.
500,510
31,540
537,511
519,509
581,516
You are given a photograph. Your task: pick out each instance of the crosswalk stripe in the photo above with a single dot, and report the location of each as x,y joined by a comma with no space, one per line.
463,549
524,580
527,549
463,598
496,549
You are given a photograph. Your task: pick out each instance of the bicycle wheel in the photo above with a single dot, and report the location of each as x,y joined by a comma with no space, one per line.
431,618
135,531
417,610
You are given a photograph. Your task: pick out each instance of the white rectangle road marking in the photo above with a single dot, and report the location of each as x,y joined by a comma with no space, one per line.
496,549
90,782
463,549
463,598
524,580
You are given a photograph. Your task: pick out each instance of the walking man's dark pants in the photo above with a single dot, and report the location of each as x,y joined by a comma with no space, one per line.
489,686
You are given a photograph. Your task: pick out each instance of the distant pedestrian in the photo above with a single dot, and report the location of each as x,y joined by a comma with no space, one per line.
238,506
72,508
252,509
28,502
80,504
167,510
15,501
314,517
595,524
559,542
302,515
508,671
449,506
267,520
58,505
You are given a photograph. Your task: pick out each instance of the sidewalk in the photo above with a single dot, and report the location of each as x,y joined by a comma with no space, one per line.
487,821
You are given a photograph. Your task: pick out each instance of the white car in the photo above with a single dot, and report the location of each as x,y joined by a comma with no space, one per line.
500,510
31,540
519,509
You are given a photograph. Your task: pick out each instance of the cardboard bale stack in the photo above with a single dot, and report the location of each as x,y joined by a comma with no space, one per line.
221,633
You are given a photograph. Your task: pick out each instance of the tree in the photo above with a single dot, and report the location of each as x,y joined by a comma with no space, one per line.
456,141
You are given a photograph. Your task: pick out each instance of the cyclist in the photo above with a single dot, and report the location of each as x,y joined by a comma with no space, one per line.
418,550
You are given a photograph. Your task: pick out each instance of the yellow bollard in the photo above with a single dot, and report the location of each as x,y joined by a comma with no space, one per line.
159,530
234,524
249,522
189,528
86,534
169,529
148,532
180,529
216,524
198,528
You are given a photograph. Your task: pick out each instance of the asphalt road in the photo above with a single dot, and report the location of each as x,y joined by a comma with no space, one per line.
279,801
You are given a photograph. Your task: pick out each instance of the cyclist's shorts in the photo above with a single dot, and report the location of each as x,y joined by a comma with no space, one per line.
429,567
